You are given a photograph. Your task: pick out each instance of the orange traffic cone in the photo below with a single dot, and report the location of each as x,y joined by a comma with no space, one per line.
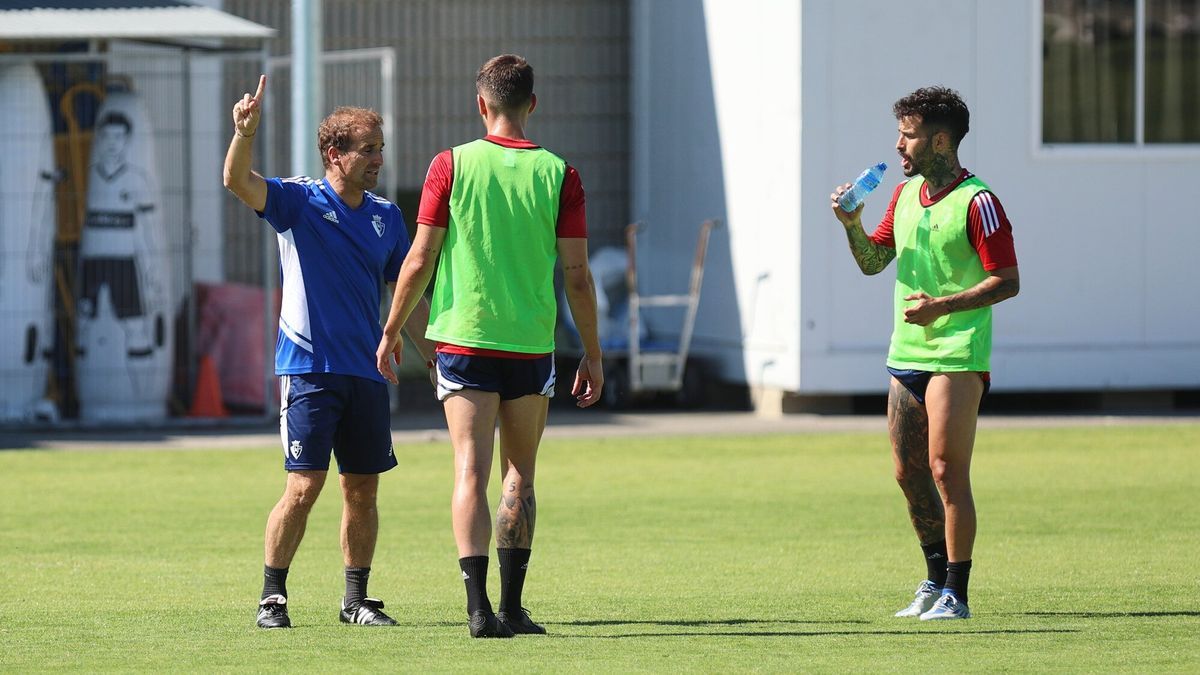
207,399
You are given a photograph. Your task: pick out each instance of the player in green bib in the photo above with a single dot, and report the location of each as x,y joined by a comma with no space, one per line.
497,216
952,243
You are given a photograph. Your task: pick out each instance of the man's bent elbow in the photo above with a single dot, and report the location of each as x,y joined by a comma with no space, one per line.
578,280
870,269
1010,286
581,290
232,184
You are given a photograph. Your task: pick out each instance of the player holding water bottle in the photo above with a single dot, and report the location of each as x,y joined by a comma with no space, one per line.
954,247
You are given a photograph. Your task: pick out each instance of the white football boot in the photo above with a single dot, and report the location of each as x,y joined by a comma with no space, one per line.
947,607
926,596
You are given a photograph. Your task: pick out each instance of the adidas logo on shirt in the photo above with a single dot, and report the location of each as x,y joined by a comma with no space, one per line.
330,216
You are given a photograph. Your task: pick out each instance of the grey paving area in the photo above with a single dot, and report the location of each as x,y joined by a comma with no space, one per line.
428,425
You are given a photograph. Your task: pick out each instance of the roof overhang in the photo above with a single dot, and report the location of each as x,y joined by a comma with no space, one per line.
112,20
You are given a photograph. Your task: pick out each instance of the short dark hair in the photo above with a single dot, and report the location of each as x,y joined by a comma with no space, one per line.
113,117
939,107
336,129
505,82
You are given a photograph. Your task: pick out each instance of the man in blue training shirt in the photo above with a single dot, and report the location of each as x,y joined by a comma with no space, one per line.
336,241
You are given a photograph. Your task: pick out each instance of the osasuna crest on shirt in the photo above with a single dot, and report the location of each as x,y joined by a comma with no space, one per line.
333,259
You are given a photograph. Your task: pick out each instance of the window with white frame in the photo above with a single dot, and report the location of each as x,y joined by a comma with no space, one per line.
1121,71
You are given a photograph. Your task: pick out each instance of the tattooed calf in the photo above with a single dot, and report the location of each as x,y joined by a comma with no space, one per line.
515,517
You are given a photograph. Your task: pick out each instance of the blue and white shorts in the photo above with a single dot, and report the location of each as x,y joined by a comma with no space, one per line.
349,416
511,378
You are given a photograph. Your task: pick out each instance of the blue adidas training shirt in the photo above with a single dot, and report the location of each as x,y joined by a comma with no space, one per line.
334,260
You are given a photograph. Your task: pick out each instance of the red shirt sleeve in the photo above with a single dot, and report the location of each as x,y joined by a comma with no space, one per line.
883,234
572,214
435,196
990,232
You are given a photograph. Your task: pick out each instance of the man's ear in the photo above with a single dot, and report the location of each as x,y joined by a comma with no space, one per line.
941,140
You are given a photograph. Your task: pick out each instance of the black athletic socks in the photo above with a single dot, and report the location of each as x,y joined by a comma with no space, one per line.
935,562
474,573
513,564
957,576
356,585
274,581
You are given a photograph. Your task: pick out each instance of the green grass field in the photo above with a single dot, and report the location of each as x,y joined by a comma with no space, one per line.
715,554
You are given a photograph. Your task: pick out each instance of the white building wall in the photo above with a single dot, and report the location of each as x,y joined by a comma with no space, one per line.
716,109
1102,237
860,57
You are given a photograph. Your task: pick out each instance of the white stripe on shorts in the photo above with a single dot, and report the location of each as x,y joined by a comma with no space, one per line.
444,386
285,387
548,388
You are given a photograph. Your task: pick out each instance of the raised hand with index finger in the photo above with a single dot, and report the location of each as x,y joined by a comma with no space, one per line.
247,110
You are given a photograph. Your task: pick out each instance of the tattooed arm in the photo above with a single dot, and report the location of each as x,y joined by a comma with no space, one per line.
1002,284
872,258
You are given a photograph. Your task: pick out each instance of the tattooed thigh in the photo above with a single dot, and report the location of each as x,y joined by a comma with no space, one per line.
908,426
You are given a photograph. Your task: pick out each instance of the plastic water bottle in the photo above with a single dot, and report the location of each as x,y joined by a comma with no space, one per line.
867,180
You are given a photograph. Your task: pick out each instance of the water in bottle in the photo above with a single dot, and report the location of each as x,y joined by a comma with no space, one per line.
867,180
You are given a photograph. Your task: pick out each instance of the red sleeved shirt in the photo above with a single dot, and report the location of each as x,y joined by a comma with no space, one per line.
434,211
987,225
435,196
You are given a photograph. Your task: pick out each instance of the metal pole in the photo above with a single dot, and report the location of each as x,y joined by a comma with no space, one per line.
270,267
387,67
1139,74
189,234
641,106
307,89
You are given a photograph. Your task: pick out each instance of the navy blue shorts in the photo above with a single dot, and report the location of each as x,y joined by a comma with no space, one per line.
511,378
915,381
343,414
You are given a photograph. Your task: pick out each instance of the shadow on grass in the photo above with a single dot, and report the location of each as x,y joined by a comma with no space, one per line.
1110,615
710,622
685,623
717,624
